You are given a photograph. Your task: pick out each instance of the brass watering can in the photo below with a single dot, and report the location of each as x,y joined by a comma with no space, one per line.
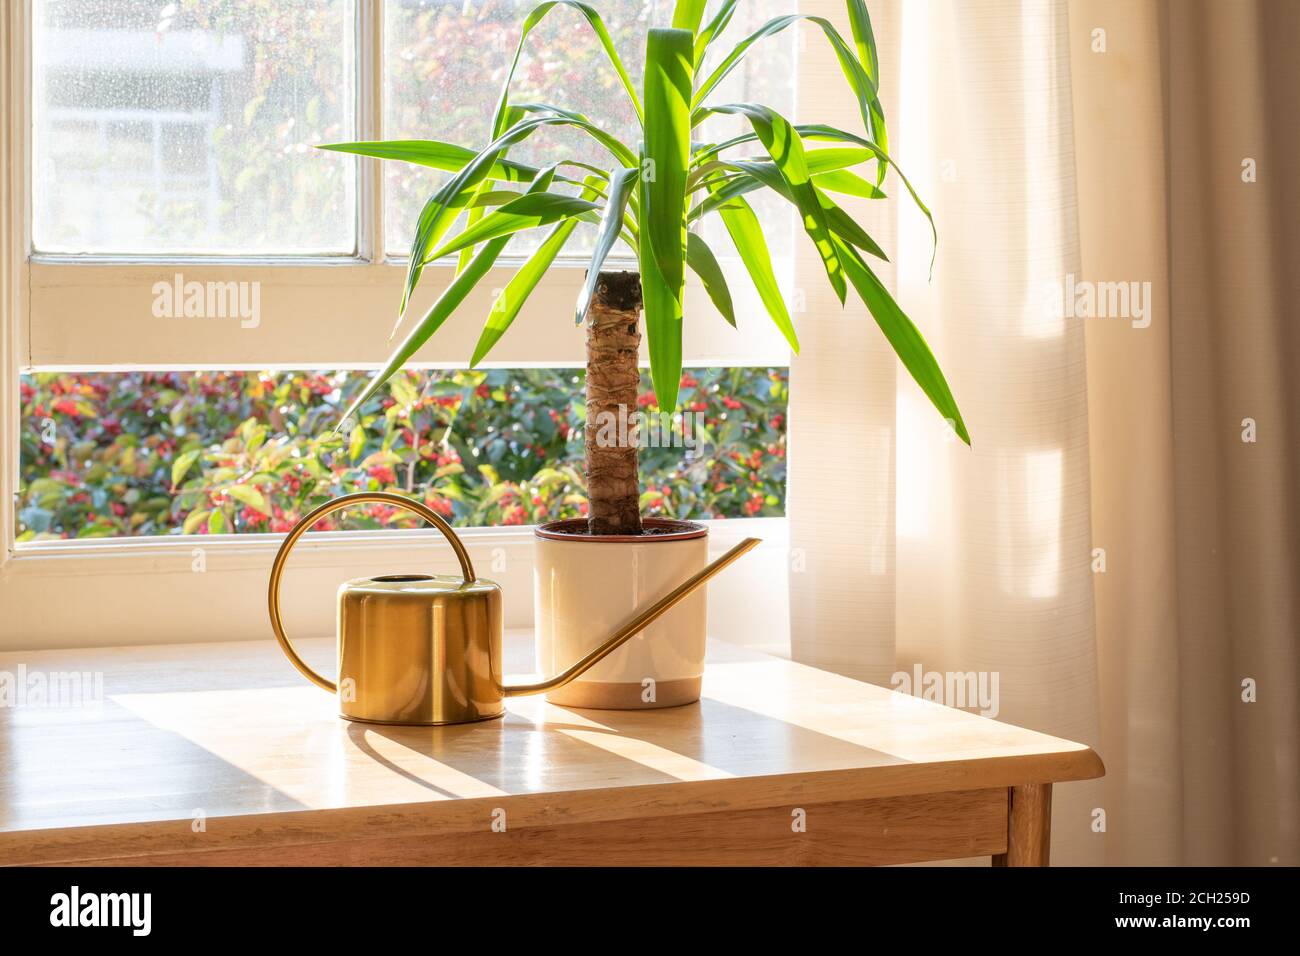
426,648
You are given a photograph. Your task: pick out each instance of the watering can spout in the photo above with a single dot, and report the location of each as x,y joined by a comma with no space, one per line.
426,649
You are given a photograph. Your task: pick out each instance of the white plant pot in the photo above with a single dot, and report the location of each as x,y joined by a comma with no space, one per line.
586,587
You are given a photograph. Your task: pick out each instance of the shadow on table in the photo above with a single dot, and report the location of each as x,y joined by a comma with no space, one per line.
574,748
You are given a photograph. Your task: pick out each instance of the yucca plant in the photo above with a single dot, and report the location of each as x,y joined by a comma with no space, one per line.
653,195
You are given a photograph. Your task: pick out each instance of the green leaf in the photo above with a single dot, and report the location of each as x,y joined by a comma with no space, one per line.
817,162
904,337
471,218
527,212
747,236
183,463
521,285
403,392
820,131
785,146
732,60
446,304
835,157
662,242
687,14
193,520
438,313
705,265
441,209
523,282
611,143
667,151
860,24
860,68
663,319
435,155
865,40
766,174
494,197
535,17
217,522
436,217
712,30
845,227
249,496
621,187
823,164
848,182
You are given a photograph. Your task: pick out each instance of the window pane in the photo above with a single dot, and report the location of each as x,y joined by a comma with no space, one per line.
165,453
445,61
186,127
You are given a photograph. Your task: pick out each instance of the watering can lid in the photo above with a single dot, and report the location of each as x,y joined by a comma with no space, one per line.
420,584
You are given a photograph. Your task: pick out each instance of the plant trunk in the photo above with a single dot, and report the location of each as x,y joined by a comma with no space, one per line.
613,338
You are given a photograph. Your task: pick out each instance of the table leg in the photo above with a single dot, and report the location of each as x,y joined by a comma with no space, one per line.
1029,826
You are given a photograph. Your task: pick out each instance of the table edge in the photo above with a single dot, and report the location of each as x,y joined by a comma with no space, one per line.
298,827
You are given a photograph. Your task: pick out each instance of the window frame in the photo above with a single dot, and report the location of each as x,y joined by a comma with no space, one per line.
56,313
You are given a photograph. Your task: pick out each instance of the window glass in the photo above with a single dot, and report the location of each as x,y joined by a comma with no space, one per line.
186,127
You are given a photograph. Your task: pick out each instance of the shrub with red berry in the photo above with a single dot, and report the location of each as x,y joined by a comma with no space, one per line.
142,453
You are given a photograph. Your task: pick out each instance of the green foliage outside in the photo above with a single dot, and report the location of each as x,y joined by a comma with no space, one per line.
156,453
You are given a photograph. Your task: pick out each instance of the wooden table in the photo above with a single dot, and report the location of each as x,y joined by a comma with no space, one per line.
222,754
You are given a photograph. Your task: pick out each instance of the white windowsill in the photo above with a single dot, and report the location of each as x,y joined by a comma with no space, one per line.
200,588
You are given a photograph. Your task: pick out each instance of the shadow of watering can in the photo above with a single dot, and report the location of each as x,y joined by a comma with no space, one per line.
426,648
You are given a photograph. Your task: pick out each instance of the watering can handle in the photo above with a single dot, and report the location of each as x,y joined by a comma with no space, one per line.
301,528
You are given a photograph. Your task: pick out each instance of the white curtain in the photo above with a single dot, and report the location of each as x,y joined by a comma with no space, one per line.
1078,550
919,550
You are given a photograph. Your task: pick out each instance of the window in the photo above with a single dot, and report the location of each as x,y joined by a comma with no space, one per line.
154,147
166,128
